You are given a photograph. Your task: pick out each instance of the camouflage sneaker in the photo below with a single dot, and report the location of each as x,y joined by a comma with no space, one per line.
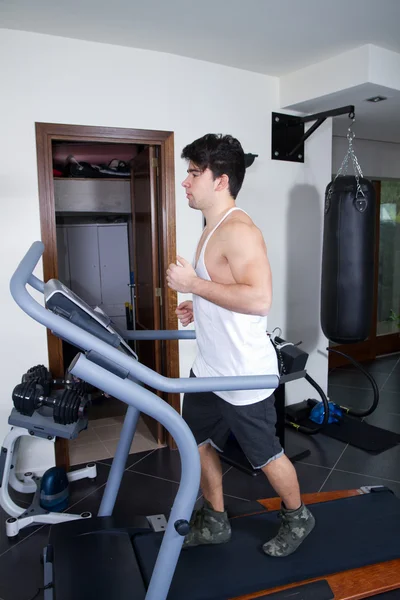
295,527
208,526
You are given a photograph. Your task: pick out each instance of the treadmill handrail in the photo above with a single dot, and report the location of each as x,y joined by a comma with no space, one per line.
157,334
87,341
146,401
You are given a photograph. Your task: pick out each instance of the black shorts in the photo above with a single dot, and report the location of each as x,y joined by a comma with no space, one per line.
212,419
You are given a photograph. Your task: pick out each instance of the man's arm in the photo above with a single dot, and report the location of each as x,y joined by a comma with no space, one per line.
245,251
247,258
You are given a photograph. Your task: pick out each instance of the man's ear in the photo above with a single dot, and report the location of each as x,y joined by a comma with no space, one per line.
222,183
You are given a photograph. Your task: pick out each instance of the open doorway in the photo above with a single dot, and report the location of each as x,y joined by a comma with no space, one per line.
108,224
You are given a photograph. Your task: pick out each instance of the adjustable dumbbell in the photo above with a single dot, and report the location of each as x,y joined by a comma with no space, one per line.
81,387
68,406
42,376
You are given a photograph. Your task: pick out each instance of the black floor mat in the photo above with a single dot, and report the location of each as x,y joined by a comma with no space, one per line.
360,434
349,533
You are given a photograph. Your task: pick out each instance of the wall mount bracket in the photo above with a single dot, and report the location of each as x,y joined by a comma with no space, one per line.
288,135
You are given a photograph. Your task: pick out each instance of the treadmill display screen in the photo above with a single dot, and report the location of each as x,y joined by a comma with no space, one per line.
65,303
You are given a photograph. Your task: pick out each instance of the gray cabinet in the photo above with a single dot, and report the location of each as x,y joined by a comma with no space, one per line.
93,260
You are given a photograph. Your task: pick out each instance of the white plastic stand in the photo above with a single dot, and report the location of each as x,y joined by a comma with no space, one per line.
21,517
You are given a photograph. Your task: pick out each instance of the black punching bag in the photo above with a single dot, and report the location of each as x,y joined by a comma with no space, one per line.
347,285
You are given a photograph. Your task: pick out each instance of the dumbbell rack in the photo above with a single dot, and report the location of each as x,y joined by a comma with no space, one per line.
41,426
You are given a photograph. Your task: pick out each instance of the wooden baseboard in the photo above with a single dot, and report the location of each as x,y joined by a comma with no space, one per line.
354,584
275,503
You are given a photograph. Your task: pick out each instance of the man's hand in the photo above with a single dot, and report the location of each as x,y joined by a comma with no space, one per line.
181,277
185,312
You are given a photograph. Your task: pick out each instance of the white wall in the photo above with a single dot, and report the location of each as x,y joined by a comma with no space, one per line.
384,67
326,77
327,80
49,79
378,160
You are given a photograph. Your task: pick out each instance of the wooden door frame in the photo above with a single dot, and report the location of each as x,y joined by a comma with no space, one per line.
149,171
46,133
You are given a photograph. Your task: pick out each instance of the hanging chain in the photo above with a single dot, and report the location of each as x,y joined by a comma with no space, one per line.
281,363
345,163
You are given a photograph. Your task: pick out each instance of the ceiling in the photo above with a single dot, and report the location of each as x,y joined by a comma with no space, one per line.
273,37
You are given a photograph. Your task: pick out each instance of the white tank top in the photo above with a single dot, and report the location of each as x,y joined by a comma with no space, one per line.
230,343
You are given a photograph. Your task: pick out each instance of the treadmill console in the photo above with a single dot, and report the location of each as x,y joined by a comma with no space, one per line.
64,302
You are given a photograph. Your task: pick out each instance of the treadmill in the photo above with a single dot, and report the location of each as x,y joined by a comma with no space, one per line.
357,533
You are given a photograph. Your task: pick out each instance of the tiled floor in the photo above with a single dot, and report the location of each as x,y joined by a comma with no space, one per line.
151,478
100,440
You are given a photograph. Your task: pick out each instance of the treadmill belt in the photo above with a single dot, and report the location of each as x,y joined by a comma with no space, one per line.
349,533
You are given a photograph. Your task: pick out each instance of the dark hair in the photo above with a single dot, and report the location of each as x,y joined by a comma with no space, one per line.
222,154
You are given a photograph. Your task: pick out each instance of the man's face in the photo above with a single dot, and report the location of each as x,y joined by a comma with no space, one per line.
200,187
